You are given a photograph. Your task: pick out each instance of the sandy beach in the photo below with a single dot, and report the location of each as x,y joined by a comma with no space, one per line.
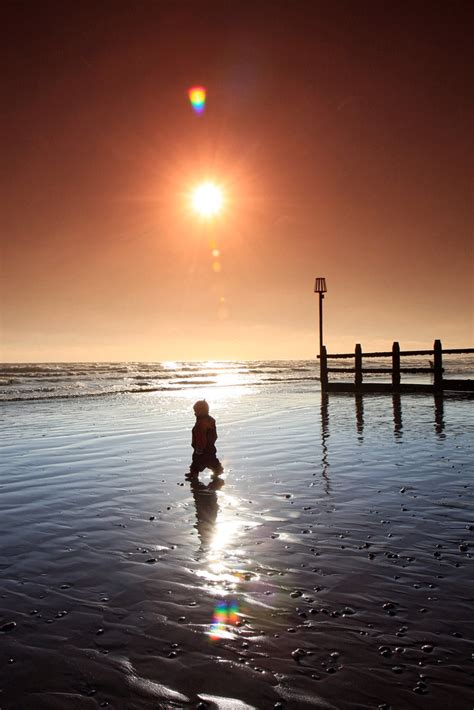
331,568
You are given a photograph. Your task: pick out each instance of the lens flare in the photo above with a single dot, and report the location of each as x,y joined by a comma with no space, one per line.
233,613
197,97
226,613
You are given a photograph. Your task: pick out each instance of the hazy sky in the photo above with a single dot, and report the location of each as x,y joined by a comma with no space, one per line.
341,133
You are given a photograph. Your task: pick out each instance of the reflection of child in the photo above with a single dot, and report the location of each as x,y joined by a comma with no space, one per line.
203,441
207,507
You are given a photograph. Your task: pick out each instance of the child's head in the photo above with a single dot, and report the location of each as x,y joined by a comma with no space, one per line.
201,408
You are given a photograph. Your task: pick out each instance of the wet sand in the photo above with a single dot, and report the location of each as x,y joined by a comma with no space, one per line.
331,569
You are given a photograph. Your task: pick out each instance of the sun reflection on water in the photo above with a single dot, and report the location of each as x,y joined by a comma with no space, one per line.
221,386
222,555
224,568
170,364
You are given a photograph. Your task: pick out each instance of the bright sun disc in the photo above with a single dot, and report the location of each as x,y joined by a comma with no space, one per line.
207,199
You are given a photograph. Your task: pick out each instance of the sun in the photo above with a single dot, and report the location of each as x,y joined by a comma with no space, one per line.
207,199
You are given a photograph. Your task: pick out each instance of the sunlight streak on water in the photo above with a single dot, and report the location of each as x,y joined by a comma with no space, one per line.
221,574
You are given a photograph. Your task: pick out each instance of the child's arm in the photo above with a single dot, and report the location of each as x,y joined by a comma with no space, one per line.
200,436
211,434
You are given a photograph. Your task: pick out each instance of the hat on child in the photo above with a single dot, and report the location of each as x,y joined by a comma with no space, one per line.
201,407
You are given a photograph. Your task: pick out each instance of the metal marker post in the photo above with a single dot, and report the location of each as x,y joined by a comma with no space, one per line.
320,287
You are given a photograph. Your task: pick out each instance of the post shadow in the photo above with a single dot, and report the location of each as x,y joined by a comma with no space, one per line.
397,415
439,414
359,407
324,438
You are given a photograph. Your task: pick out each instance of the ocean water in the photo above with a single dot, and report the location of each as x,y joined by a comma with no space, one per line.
330,567
23,381
48,381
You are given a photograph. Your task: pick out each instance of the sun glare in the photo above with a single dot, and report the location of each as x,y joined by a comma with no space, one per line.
207,199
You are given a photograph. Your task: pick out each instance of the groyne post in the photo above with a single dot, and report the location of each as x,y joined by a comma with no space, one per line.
438,365
358,365
323,366
396,367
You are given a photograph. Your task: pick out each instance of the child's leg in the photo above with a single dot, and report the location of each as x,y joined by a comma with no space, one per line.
198,464
215,465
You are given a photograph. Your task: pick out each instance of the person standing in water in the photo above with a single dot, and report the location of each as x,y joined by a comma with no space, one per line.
204,438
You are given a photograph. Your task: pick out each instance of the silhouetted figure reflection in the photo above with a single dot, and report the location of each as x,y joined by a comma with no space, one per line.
439,415
324,438
204,437
207,507
359,404
397,415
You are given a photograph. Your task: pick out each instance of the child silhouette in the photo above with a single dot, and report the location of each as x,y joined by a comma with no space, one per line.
204,437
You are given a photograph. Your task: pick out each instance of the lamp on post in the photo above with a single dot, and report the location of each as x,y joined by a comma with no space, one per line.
320,287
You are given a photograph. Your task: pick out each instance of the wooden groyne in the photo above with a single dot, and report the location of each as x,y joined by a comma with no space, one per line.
439,382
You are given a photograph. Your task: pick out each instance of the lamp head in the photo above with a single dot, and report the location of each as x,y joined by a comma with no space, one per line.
320,285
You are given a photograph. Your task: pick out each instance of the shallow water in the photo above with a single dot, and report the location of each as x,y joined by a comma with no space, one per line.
332,569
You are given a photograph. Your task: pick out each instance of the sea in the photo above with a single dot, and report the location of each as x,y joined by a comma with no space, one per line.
28,381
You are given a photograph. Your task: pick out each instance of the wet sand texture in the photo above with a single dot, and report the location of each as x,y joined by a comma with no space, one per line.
332,569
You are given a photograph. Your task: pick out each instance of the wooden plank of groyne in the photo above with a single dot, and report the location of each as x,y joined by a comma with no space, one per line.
378,387
341,369
383,370
459,385
450,351
338,356
416,370
458,351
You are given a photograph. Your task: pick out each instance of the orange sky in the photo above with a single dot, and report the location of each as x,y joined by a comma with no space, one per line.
342,138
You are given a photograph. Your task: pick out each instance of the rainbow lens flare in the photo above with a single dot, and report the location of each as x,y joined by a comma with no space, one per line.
233,612
225,615
197,97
